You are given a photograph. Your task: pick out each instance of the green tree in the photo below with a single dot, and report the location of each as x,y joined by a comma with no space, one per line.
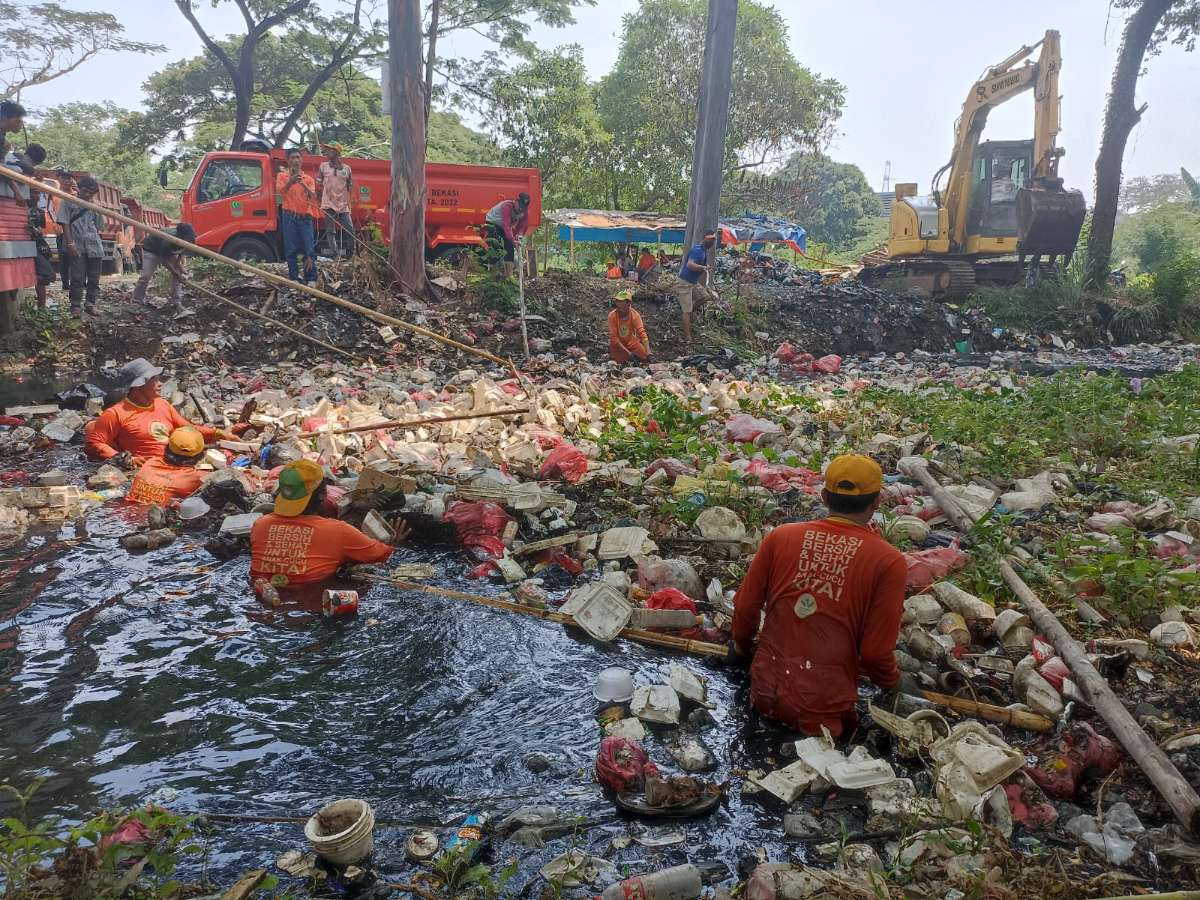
325,44
544,115
1147,191
43,41
1151,24
830,199
649,100
86,136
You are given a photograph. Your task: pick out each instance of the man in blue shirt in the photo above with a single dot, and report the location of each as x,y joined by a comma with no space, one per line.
690,289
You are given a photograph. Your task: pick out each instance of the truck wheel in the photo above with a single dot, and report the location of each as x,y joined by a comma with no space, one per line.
452,254
250,249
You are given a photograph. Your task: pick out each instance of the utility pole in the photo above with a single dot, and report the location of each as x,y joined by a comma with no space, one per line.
708,158
406,92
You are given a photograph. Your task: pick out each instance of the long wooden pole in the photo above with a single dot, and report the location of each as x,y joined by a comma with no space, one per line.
250,312
282,281
432,420
670,642
1178,793
1015,717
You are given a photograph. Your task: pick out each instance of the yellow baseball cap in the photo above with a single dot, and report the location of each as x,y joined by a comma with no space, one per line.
297,482
623,295
853,476
186,441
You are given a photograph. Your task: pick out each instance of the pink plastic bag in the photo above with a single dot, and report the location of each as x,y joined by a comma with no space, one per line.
779,478
673,467
622,765
830,365
804,362
786,353
743,428
565,462
1055,671
480,526
927,566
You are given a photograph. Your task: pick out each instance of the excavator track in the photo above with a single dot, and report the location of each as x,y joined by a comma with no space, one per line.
941,278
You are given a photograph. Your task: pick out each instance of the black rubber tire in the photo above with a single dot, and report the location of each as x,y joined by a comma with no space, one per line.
250,249
452,254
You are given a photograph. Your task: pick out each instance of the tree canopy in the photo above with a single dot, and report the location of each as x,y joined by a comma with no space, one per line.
43,41
87,136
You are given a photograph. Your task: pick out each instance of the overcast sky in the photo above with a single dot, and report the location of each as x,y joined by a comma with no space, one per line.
906,67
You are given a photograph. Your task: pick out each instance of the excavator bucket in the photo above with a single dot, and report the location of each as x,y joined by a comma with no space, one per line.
1049,221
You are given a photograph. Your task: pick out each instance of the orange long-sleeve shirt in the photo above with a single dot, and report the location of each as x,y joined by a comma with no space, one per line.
627,337
157,481
308,548
833,592
142,430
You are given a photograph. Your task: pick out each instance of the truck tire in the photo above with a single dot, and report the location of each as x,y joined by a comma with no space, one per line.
251,249
452,254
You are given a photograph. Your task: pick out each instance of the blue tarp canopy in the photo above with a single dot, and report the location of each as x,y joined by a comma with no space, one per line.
613,227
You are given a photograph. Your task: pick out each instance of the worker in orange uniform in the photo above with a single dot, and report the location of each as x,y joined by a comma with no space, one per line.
833,592
174,476
141,424
627,336
297,193
295,541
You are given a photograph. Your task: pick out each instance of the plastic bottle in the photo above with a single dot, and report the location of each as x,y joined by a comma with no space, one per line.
678,883
267,592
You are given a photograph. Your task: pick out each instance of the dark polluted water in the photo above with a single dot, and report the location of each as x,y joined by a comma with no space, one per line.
125,678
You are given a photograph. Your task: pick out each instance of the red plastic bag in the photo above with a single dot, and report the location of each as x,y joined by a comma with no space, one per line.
673,467
1055,671
566,462
480,526
1086,755
1041,649
557,556
622,765
779,478
743,428
830,365
1029,806
804,362
786,353
671,598
927,566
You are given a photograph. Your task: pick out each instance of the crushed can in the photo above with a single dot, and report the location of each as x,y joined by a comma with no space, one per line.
339,603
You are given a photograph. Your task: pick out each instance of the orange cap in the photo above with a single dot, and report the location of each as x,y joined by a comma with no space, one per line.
186,441
853,476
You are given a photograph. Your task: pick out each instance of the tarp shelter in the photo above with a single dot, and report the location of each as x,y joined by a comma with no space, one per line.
615,227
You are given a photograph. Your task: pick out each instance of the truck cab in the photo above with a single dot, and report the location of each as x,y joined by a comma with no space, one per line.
230,200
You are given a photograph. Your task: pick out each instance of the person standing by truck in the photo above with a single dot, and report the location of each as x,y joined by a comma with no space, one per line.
81,238
68,185
12,120
157,252
297,194
334,179
507,223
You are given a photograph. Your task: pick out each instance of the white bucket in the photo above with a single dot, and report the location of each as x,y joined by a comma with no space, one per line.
351,843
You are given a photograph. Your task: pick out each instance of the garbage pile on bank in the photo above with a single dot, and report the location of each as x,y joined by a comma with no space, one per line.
545,503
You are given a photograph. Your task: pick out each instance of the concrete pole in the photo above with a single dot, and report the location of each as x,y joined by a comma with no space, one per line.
708,159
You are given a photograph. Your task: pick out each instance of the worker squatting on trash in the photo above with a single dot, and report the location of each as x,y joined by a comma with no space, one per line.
833,591
174,475
141,424
627,338
297,542
507,222
157,251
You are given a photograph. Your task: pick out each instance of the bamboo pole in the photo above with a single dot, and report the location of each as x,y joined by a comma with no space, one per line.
652,638
1175,790
1015,717
572,248
432,420
242,266
521,297
312,340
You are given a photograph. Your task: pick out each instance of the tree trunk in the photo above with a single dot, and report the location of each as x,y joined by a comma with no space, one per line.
1120,118
435,10
243,87
407,205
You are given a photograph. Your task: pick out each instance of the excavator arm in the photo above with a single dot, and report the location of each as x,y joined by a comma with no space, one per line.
1000,84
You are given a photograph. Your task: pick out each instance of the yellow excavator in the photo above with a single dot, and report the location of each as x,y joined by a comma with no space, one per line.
1001,199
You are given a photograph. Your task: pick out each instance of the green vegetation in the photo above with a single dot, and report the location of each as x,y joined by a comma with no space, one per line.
1132,579
459,877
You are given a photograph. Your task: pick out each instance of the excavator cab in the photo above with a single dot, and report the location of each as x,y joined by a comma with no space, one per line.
999,172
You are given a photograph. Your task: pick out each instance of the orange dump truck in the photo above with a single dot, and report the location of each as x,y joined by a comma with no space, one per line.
231,201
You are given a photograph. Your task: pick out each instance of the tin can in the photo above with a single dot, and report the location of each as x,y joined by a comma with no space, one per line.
339,603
